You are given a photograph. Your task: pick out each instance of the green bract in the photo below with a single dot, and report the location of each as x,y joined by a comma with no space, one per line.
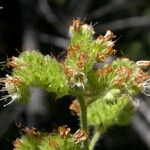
49,142
107,114
40,71
26,143
57,143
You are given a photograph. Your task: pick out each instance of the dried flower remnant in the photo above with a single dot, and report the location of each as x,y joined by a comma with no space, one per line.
146,87
101,57
68,71
72,51
118,81
143,64
106,39
100,39
139,78
53,144
88,28
108,44
110,51
82,60
77,24
11,85
78,80
13,62
105,70
125,72
79,136
30,131
64,131
109,35
17,143
30,138
75,107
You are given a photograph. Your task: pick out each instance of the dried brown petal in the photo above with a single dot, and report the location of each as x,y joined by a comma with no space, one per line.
77,24
75,107
139,78
143,64
118,81
104,71
12,62
30,131
53,144
68,71
72,50
101,57
11,80
109,35
100,39
110,51
125,72
17,143
79,136
82,61
64,132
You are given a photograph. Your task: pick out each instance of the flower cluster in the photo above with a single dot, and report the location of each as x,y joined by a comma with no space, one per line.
32,69
112,86
104,94
58,139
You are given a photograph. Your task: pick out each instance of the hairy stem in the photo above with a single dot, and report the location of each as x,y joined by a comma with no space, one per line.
95,138
83,118
98,132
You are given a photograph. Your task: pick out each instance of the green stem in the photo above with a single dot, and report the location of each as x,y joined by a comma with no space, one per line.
83,118
95,138
98,132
